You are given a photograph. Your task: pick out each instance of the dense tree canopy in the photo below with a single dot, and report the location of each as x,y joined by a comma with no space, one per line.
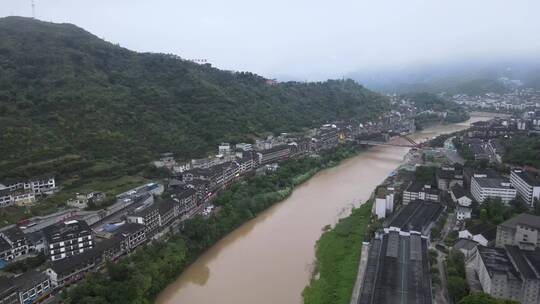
523,150
483,298
64,91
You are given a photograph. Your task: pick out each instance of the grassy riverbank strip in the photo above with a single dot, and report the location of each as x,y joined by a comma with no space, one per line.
139,277
337,256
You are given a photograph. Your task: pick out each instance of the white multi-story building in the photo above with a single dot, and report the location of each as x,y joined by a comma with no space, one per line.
224,148
45,185
527,186
508,273
522,231
483,188
384,202
244,146
422,192
67,239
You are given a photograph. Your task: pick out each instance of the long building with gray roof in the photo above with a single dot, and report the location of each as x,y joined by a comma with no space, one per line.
397,271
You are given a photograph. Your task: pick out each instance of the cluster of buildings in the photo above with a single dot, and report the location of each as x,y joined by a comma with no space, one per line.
486,139
397,268
75,246
82,241
25,192
505,259
515,100
509,268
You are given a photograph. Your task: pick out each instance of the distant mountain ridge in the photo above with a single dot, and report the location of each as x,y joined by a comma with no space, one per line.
471,77
64,91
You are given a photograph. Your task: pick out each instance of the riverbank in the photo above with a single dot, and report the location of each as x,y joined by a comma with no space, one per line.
153,267
270,259
337,258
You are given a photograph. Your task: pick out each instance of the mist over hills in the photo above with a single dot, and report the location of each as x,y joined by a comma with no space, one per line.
473,76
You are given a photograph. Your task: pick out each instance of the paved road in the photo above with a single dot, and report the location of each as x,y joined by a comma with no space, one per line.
441,295
360,276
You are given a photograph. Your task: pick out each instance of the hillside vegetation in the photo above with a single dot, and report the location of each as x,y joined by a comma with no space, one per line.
71,102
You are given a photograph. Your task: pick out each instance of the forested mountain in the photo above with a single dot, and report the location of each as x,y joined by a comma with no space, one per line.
67,95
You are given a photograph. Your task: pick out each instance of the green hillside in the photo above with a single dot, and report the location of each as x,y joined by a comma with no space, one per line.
71,102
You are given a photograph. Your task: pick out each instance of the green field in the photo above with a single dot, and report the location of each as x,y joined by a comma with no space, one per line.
337,257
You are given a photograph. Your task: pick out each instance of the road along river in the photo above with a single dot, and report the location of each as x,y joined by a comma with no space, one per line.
269,259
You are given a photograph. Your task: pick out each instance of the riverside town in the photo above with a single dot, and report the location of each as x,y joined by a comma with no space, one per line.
366,152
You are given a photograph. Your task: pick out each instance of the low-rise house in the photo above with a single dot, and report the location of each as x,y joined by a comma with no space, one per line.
30,287
38,185
204,163
81,200
522,231
166,161
64,272
6,199
420,191
22,197
147,216
18,197
466,246
460,197
244,147
463,213
6,250
36,241
527,185
201,187
483,234
186,201
67,239
17,239
181,167
483,188
448,177
208,175
463,202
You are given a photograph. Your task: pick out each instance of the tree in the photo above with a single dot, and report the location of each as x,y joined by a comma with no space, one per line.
518,206
457,288
536,207
484,298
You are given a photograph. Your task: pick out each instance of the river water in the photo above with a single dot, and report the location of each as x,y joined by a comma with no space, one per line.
269,259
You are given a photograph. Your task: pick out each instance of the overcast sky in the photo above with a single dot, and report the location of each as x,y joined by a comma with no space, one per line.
305,39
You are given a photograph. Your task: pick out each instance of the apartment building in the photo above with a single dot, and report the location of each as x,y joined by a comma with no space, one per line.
509,273
483,188
66,239
28,288
522,231
527,185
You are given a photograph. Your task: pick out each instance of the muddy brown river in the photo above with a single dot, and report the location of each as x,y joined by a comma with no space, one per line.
269,259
